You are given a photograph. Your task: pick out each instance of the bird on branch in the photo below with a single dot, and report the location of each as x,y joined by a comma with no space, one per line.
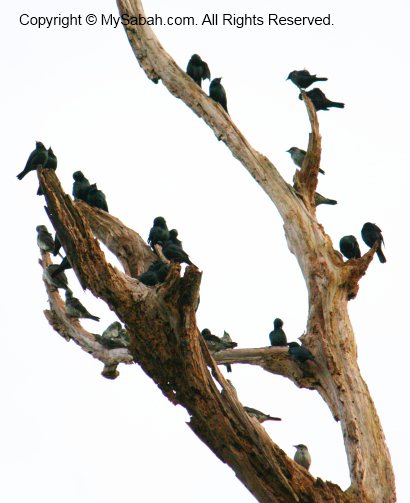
298,156
349,247
36,159
81,186
218,94
50,164
278,337
303,79
75,309
198,70
302,456
319,100
372,234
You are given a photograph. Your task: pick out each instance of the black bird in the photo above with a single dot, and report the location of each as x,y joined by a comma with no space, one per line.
260,416
216,343
218,94
57,280
173,237
319,199
372,234
37,158
298,155
175,253
198,70
159,233
349,247
75,309
302,456
96,198
45,240
278,337
65,264
319,100
156,273
81,186
303,79
299,353
50,164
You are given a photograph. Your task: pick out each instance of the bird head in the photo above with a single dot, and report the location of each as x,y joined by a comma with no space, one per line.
68,294
301,447
159,222
195,58
173,233
78,176
41,228
205,332
291,75
50,151
39,145
277,323
293,345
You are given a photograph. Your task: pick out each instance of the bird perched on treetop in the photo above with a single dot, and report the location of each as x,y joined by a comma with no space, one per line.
156,273
216,343
260,416
65,264
372,234
96,198
159,233
81,186
349,247
299,353
50,164
59,280
37,158
218,94
278,337
175,253
173,237
198,70
298,155
75,309
45,240
302,456
319,100
319,199
303,79
114,336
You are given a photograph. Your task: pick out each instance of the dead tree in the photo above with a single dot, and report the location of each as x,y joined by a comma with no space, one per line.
161,322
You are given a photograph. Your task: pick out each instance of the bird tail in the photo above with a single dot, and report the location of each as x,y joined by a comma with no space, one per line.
95,318
321,171
337,104
228,367
39,191
330,201
271,418
381,256
321,79
21,175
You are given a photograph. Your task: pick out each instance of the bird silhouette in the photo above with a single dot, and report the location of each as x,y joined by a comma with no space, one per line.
349,247
198,70
319,100
37,158
372,234
303,79
218,94
278,337
298,155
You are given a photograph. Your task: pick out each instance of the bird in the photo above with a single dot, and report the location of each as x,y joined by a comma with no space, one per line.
298,155
57,280
175,253
372,234
114,336
278,337
81,186
299,353
302,456
37,158
75,309
319,199
198,70
96,198
319,100
216,343
260,416
45,240
173,237
349,247
50,164
159,233
65,264
303,79
156,273
218,94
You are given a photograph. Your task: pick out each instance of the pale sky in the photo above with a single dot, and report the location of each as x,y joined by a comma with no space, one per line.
67,434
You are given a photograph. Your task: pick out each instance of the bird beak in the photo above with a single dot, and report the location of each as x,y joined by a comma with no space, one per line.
289,149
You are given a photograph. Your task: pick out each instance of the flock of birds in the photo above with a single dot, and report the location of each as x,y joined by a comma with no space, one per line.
165,242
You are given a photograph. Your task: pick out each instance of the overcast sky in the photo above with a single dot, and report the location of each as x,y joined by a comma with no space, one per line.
67,434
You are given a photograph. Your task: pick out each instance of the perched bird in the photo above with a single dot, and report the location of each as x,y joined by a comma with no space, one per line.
114,336
319,199
173,237
57,280
260,416
319,100
45,240
96,198
298,155
198,70
302,456
278,337
159,233
349,247
175,253
65,264
37,158
299,353
218,94
75,309
50,164
81,186
303,79
372,234
216,343
156,273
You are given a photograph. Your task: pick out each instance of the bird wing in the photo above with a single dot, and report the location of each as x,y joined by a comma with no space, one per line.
206,71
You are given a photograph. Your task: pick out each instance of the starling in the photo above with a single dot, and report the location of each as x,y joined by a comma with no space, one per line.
45,240
173,237
156,273
302,456
59,280
319,100
297,155
299,353
175,253
349,247
114,336
215,343
159,233
277,336
303,79
260,416
96,198
50,164
37,158
75,309
198,70
81,186
372,234
319,199
65,264
218,94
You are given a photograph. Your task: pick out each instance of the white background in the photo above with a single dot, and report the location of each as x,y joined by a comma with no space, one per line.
67,434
